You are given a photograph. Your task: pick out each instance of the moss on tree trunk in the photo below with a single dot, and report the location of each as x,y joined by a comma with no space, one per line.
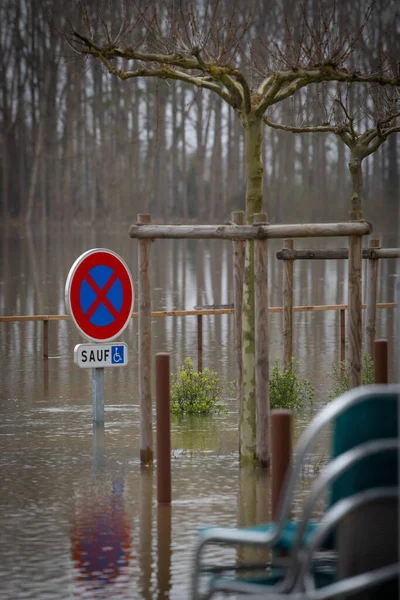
254,190
355,167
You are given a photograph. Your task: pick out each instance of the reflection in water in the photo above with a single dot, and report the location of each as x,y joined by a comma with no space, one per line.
164,557
146,532
101,538
253,508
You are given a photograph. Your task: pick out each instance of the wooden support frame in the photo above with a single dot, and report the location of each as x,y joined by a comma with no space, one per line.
145,366
260,232
354,329
372,294
249,232
287,322
373,252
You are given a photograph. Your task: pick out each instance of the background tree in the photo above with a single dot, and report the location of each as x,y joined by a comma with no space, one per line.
363,131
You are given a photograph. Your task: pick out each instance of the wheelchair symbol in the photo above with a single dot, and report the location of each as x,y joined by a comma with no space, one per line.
117,355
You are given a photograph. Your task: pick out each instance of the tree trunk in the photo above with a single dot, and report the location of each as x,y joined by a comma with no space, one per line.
254,191
356,182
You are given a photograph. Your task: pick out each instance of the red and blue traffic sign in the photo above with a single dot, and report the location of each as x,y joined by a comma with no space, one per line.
99,294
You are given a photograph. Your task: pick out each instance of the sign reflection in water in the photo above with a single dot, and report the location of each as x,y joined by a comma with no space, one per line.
101,535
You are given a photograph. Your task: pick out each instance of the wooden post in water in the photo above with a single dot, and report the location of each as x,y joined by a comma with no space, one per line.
281,452
261,343
342,340
146,430
45,339
288,307
199,343
380,353
372,293
355,310
238,279
163,429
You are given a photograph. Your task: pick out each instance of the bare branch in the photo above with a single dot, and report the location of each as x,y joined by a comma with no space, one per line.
307,129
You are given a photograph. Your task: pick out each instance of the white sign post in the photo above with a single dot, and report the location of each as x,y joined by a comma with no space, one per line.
99,299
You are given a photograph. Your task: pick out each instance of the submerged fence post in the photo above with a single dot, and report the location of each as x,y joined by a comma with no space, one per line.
372,293
281,452
199,343
261,343
380,354
146,431
342,341
238,280
45,339
288,307
163,429
355,310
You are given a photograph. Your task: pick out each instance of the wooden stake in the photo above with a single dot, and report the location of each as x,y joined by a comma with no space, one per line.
261,344
281,451
163,429
238,279
380,353
355,310
372,294
288,308
45,339
146,430
199,343
342,341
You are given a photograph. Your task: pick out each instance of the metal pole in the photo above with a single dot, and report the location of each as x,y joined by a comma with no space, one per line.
281,451
199,343
381,361
98,395
163,429
98,447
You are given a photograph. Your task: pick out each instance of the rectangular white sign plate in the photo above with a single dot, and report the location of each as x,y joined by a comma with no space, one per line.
90,356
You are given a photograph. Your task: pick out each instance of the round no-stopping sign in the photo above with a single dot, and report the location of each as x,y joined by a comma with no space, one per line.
99,294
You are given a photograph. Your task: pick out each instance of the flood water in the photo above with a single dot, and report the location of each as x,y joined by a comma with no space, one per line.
78,515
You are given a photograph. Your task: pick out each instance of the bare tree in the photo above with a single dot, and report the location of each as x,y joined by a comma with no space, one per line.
363,131
378,124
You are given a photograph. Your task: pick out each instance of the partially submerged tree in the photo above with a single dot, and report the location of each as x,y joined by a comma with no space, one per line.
363,130
201,46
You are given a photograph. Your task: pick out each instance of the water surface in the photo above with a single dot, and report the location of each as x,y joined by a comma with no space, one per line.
78,514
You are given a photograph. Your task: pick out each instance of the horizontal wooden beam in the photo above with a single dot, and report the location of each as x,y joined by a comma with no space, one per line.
193,313
249,232
336,254
22,318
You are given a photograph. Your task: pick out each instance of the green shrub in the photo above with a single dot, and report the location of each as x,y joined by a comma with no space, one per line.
287,389
195,393
340,375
